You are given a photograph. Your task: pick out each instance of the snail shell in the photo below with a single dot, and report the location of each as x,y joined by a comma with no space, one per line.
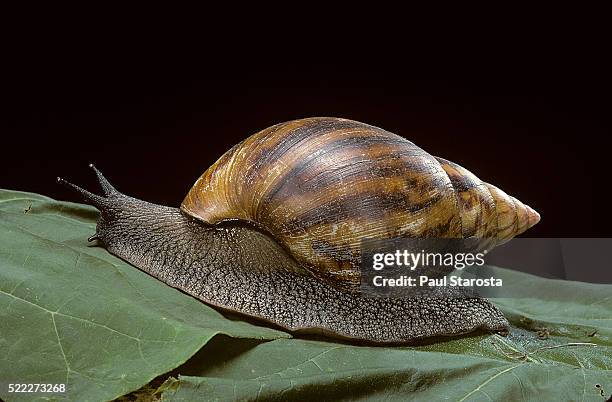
321,185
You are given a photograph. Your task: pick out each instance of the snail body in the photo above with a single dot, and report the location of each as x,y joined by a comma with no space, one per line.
273,229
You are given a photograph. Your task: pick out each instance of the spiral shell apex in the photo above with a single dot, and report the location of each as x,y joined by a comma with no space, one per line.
321,185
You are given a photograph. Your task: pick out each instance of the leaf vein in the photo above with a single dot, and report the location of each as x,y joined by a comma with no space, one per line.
488,381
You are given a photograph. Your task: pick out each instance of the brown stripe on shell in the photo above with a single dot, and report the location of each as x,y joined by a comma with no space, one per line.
218,197
476,204
277,149
533,216
396,178
341,159
522,219
506,215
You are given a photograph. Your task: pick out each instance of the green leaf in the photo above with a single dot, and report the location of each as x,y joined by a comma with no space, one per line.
484,367
559,348
69,310
72,313
313,370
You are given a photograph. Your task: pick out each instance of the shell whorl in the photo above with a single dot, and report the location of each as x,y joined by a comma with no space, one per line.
486,211
321,185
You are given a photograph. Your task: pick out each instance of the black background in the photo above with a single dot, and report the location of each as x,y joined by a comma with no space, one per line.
531,118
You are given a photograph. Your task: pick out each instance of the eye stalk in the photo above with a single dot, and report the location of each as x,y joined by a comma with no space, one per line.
103,203
107,188
91,198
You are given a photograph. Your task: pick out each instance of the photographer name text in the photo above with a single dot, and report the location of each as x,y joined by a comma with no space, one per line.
424,280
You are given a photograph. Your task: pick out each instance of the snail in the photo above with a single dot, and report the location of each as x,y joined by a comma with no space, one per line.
272,230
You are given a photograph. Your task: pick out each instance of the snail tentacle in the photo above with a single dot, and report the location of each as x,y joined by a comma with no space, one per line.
110,205
89,197
107,188
97,201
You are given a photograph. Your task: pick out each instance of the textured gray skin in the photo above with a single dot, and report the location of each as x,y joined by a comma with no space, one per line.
244,270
